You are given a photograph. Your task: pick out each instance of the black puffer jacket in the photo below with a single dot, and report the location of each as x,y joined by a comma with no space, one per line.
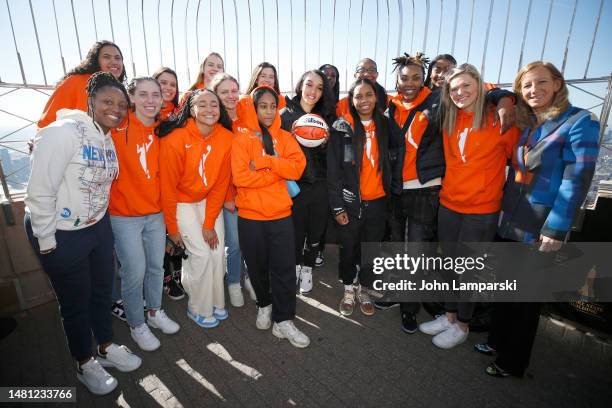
316,161
344,155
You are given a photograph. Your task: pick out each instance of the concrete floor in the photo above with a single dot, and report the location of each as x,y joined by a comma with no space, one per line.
358,362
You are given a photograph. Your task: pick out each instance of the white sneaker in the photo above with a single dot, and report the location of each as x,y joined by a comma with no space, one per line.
119,357
263,318
298,273
435,326
163,322
287,330
235,294
249,287
144,338
97,380
451,337
306,280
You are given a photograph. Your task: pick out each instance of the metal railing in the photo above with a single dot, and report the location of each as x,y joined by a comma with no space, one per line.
247,21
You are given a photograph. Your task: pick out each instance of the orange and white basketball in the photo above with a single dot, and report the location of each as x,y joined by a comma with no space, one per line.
310,130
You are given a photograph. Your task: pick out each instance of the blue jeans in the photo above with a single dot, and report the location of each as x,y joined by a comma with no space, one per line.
234,255
140,243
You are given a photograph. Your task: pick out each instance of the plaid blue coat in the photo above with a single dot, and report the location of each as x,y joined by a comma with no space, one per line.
551,172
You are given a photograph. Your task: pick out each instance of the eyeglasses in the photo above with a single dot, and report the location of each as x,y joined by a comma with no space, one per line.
362,70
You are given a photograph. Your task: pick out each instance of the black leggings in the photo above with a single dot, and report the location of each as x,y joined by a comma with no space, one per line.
310,212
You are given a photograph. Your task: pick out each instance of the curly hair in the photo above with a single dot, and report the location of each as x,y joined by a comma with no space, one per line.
526,117
91,63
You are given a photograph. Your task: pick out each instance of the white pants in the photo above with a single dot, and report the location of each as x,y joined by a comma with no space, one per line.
203,271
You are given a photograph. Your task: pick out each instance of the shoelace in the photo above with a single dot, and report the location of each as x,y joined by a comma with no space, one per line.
349,297
363,297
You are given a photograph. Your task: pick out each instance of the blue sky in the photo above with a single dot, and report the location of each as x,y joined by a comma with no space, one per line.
307,37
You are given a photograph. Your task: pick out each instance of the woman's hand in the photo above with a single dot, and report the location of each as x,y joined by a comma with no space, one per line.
178,241
342,218
210,236
549,244
505,114
230,206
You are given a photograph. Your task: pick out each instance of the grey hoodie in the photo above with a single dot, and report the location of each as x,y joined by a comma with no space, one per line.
73,167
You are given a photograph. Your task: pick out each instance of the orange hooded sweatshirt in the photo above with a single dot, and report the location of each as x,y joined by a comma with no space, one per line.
166,111
413,136
136,190
262,193
71,93
193,168
475,165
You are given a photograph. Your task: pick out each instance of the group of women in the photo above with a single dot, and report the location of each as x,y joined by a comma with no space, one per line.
128,174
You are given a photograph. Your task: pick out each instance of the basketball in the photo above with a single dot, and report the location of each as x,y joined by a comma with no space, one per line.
310,130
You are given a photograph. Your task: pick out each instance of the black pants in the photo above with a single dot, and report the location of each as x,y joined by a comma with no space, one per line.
453,228
269,253
512,332
415,219
369,228
310,212
81,270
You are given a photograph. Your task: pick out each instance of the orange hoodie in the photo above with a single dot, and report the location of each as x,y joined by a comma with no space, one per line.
475,165
71,93
413,136
166,111
136,190
194,168
262,193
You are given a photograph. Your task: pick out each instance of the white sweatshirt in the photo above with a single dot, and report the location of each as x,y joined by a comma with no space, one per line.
73,167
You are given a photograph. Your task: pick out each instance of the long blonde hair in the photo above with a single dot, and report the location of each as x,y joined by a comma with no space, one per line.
450,109
200,78
525,116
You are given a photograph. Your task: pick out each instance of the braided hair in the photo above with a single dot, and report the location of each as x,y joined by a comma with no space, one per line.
419,59
91,63
266,137
100,80
179,120
382,126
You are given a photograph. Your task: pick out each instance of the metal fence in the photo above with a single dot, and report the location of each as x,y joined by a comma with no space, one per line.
248,29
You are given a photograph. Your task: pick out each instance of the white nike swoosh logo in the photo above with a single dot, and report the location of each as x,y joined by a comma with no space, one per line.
188,146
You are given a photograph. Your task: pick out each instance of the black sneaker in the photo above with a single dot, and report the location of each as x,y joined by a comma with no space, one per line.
118,311
174,290
385,305
409,323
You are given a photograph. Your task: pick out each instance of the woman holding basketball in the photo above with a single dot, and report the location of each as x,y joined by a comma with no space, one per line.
359,180
310,207
264,157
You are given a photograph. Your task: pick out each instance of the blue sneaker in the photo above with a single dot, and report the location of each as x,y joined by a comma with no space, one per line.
206,322
220,314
